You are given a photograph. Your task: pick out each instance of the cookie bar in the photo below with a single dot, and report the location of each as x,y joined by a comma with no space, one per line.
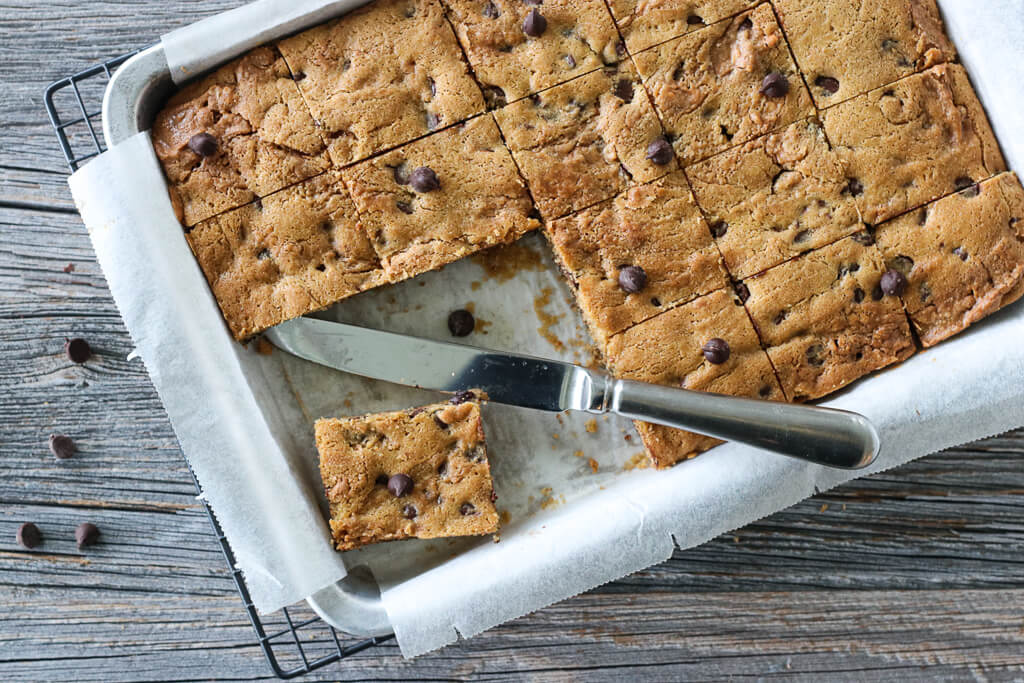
775,198
708,345
292,253
644,23
517,48
826,318
913,141
962,257
632,257
441,198
410,474
585,140
381,76
848,47
724,84
240,133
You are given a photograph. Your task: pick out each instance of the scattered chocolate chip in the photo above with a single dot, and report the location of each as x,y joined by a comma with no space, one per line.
746,24
404,207
893,282
815,355
570,61
203,144
86,535
854,187
655,301
780,317
461,323
382,480
694,20
716,351
632,279
620,48
962,183
400,485
29,535
765,391
423,179
679,71
77,350
725,133
299,76
433,120
719,228
461,397
62,446
442,469
961,252
659,152
494,96
828,84
409,511
467,509
494,496
416,411
535,24
263,255
742,291
877,293
775,85
858,295
624,90
864,237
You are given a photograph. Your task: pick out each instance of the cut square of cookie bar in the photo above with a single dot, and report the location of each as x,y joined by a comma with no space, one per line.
441,198
240,133
825,319
724,84
848,47
913,141
669,349
631,257
421,473
514,54
775,197
586,140
962,256
644,23
381,76
294,252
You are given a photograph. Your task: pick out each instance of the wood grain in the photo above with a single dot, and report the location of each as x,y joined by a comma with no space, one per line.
916,574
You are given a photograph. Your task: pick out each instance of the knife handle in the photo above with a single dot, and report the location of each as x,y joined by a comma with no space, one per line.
835,438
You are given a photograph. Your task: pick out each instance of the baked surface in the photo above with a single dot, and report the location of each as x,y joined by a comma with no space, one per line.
645,23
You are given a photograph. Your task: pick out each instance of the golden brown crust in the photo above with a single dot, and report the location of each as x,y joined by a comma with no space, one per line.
644,23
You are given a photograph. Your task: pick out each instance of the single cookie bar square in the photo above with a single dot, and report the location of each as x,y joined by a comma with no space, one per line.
291,253
240,133
632,257
962,257
586,140
517,48
829,317
775,197
914,141
441,198
421,473
644,23
381,76
724,84
848,47
708,345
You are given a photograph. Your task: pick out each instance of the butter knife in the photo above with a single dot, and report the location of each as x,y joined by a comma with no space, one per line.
825,436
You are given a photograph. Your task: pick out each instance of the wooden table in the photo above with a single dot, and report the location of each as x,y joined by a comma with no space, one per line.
917,574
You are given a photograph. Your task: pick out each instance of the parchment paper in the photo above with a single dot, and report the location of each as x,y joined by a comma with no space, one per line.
245,420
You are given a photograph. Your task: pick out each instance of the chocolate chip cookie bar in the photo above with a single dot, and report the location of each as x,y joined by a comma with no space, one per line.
775,197
240,133
517,48
848,47
829,317
586,140
413,474
724,84
291,253
441,198
644,23
632,257
961,258
381,76
913,141
708,345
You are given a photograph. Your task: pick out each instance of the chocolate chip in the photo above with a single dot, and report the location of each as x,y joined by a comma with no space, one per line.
854,187
467,509
77,350
632,279
423,179
780,317
382,480
962,183
203,144
86,535
624,90
746,24
694,20
655,301
491,11
298,76
400,485
442,469
742,291
494,496
679,71
659,152
461,397
620,48
570,61
877,293
535,24
893,283
959,251
864,237
29,535
461,322
62,446
719,228
858,295
409,511
765,391
404,207
433,120
828,84
716,350
815,355
774,85
263,255
494,96
441,424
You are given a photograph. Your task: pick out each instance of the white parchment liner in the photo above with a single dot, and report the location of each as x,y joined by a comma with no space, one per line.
245,420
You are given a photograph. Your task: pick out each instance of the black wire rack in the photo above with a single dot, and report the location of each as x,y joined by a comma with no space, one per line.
294,640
